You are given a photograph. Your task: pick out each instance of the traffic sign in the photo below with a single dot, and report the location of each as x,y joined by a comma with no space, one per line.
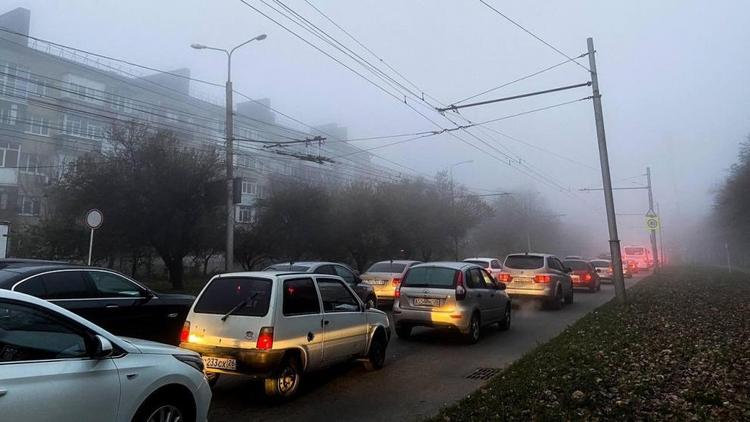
652,222
94,218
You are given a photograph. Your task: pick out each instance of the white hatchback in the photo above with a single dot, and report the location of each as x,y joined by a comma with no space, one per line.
57,366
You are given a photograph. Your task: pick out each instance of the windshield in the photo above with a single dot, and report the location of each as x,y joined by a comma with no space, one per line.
524,262
600,264
577,265
288,267
223,294
483,264
386,267
430,277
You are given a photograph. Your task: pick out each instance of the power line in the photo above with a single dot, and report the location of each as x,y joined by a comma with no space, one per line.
533,34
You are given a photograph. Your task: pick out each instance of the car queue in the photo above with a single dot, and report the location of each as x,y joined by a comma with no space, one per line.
275,325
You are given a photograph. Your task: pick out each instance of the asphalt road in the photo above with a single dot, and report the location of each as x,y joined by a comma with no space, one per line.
421,375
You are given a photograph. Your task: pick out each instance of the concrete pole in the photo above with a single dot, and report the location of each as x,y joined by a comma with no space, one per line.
614,242
661,237
654,248
229,256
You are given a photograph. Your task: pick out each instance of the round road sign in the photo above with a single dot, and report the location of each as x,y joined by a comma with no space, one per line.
94,218
652,223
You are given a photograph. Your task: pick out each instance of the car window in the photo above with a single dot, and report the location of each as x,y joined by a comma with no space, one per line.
287,267
252,294
112,285
33,286
300,297
475,280
483,264
27,334
386,267
495,264
557,264
524,262
435,277
487,279
344,273
66,285
576,265
326,269
336,297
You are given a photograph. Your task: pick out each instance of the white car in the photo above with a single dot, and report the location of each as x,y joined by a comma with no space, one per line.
491,265
57,366
277,326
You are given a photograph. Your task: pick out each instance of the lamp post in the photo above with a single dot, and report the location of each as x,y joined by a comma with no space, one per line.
229,131
453,208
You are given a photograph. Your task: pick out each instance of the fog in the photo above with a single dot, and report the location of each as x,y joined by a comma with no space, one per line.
673,75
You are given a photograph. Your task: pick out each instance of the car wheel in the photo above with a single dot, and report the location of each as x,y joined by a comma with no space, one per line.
557,301
475,329
569,296
376,355
504,325
285,381
403,331
163,409
213,378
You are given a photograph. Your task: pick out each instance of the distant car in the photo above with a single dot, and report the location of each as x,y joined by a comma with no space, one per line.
572,257
365,291
26,262
386,276
277,326
491,265
638,254
538,276
457,295
604,268
105,297
57,366
584,275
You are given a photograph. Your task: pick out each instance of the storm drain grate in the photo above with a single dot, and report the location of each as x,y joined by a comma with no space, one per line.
483,373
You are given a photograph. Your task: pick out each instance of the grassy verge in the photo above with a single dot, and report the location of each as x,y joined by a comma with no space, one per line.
680,350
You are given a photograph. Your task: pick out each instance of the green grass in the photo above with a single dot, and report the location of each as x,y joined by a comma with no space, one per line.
679,350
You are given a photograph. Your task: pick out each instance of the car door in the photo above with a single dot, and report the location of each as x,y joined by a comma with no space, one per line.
561,274
362,290
302,319
344,325
125,306
46,372
478,292
497,300
68,288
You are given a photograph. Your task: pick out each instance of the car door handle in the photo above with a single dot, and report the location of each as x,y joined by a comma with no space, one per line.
326,322
3,392
112,306
310,336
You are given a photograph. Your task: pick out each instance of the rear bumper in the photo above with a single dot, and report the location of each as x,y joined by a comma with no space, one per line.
254,363
458,319
545,293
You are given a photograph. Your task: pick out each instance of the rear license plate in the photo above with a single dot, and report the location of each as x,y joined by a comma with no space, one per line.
575,278
220,363
426,301
521,280
375,282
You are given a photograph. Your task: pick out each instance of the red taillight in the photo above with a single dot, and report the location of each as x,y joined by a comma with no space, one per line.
185,333
396,281
586,277
542,278
265,339
505,277
397,293
460,289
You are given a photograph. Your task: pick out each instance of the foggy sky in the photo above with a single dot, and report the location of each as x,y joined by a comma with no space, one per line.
673,74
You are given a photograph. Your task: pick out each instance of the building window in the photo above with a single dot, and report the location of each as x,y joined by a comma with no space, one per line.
38,125
246,214
3,201
249,188
39,87
30,163
73,126
122,104
13,79
94,131
8,114
9,154
29,205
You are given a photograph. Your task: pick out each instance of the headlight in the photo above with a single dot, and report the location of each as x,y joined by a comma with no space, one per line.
192,360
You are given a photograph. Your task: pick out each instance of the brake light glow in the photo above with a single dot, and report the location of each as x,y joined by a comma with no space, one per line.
397,293
505,277
542,278
265,339
185,333
586,277
460,289
396,281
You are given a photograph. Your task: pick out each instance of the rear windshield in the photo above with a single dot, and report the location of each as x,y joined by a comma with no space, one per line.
483,264
223,294
577,265
524,262
600,264
288,267
386,267
429,277
634,251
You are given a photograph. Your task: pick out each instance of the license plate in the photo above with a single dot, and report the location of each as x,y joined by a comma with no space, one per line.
521,280
575,278
375,282
426,301
220,363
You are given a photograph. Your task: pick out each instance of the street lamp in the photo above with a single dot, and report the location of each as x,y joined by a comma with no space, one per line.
453,208
229,148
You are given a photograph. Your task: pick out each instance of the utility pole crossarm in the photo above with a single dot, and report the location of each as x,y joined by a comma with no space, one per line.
454,107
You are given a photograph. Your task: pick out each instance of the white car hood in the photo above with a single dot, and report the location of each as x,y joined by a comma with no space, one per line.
153,348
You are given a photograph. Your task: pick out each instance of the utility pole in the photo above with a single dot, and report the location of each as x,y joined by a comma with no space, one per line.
453,207
614,242
729,256
654,249
661,237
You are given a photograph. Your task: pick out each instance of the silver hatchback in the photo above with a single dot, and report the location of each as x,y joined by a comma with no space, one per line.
457,295
538,276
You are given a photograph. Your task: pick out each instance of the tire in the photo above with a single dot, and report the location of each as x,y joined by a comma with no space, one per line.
556,302
403,331
376,354
163,408
569,298
213,378
284,383
504,325
475,329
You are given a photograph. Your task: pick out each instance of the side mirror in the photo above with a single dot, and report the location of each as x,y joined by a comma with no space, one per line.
102,347
501,286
